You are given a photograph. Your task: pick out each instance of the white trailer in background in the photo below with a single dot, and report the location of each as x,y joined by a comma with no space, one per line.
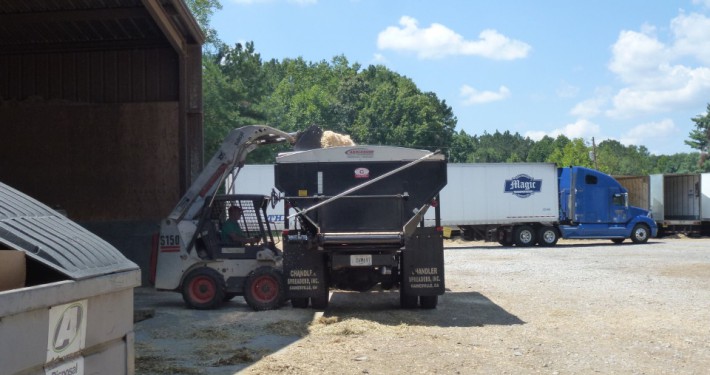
467,202
680,203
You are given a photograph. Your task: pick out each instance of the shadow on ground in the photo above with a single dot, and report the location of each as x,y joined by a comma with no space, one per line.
455,309
178,340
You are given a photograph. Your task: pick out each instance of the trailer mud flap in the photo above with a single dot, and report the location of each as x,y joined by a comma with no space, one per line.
304,269
423,263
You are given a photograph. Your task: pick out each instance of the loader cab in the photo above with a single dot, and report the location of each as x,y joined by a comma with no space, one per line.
253,223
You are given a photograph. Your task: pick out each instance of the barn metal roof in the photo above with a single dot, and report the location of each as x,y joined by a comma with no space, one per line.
31,25
52,239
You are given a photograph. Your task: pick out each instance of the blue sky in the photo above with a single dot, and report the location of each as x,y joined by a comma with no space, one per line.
635,71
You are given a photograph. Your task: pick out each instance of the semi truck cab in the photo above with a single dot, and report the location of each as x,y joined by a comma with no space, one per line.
594,205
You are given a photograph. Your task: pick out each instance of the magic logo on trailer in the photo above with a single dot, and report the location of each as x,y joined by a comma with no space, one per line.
523,186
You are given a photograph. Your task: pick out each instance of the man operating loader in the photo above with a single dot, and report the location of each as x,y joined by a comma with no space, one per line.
232,231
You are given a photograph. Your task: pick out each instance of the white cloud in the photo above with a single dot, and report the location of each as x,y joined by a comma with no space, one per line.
582,128
661,77
705,3
641,134
636,56
589,108
535,135
472,96
691,34
379,58
691,89
438,41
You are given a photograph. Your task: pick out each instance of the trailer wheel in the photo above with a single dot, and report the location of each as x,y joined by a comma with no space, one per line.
524,236
640,233
617,240
203,289
263,289
429,302
547,236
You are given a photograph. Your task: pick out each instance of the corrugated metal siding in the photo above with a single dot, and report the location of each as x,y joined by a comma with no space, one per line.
25,6
47,236
31,23
122,76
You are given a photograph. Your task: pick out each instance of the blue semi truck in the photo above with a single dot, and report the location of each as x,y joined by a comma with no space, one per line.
524,204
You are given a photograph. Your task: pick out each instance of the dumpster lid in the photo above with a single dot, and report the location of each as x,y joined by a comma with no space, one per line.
50,238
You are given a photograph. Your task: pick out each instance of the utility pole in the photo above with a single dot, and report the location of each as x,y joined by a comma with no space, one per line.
594,154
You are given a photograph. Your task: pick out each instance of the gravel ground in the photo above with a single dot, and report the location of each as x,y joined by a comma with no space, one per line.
577,308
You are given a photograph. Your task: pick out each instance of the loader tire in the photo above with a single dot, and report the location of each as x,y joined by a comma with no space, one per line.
203,289
264,289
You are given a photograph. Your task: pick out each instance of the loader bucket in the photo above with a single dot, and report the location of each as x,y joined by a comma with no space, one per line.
308,139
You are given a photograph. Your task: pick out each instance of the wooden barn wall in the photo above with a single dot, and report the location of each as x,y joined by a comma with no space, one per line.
107,76
94,132
98,162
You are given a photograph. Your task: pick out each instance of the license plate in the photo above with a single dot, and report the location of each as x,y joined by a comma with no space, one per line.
361,260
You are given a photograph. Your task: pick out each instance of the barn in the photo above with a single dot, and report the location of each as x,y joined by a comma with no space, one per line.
101,111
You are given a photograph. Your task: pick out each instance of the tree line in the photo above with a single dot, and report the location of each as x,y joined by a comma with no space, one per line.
377,106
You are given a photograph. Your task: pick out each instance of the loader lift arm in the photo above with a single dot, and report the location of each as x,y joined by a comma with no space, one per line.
232,153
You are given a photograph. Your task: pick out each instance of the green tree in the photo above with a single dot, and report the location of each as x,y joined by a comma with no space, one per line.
462,146
700,136
233,87
574,153
394,111
609,156
502,147
203,10
541,149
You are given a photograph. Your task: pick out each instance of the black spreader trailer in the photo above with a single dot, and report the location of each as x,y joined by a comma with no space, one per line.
355,220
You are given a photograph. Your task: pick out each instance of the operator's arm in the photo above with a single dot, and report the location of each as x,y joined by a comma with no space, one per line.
231,232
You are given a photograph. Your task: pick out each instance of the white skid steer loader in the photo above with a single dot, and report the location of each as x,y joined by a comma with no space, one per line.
191,256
